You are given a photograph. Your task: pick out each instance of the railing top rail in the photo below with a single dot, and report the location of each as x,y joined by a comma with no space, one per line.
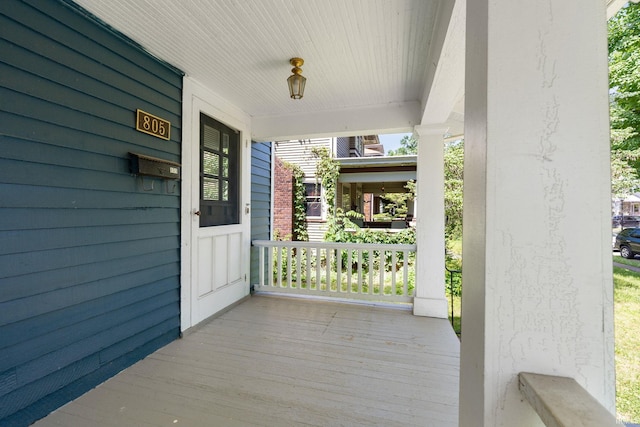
332,245
562,402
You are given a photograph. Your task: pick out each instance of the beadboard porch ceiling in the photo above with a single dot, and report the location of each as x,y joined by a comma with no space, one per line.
371,65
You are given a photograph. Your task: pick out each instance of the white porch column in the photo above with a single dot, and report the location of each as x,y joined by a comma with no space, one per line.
429,297
537,272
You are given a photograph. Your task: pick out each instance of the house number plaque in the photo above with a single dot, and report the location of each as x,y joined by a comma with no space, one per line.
148,123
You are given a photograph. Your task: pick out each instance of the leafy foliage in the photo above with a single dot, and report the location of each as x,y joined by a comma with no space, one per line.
624,83
342,229
299,213
453,186
348,232
624,176
327,171
453,180
396,203
340,226
408,146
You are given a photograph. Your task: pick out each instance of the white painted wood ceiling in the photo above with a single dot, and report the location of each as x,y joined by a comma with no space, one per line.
357,52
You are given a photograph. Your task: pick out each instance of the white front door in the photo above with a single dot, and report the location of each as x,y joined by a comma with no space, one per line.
215,206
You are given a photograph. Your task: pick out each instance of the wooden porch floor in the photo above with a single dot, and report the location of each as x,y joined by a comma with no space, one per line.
276,361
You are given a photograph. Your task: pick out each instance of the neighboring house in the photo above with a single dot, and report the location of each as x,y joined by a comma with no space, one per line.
299,152
365,176
365,181
630,205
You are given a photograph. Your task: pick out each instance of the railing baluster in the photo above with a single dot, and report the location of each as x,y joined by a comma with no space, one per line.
338,270
279,266
270,267
327,253
307,278
382,265
371,255
289,269
298,261
318,256
360,271
260,266
349,269
394,261
405,273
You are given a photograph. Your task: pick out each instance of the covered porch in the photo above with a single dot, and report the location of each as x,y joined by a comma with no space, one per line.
364,182
287,361
525,82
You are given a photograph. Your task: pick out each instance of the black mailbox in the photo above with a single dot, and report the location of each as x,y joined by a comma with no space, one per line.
153,166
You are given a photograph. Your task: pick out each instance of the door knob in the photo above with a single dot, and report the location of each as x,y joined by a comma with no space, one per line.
196,213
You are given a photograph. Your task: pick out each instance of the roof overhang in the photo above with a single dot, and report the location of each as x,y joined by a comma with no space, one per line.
356,164
390,174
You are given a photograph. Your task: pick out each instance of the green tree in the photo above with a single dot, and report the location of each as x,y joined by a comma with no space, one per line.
397,202
408,146
453,180
453,175
624,176
624,83
396,205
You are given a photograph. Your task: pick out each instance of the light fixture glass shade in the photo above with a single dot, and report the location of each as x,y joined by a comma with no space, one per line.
296,85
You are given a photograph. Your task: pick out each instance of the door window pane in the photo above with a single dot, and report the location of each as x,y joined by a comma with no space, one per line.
225,190
211,163
219,173
211,138
210,187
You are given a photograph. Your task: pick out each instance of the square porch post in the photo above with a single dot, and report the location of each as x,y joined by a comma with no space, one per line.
537,273
430,299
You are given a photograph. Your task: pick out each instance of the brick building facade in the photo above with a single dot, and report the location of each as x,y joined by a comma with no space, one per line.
282,201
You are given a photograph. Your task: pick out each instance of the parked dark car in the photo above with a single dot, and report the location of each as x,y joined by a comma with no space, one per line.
629,221
628,242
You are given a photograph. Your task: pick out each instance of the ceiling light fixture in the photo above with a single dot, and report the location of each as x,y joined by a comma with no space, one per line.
296,80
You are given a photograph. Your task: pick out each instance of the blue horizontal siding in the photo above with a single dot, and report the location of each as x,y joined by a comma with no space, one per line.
78,80
81,319
46,29
28,196
60,387
18,127
260,201
60,299
12,242
89,253
40,110
26,285
26,219
32,262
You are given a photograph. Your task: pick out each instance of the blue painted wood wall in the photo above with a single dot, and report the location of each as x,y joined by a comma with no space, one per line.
260,201
89,253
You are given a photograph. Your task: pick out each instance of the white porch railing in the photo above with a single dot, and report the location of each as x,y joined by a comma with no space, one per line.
375,272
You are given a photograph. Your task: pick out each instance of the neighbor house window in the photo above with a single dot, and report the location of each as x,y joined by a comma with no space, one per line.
346,198
219,173
313,202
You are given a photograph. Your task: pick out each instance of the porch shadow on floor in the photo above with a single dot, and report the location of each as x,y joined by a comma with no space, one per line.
277,361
